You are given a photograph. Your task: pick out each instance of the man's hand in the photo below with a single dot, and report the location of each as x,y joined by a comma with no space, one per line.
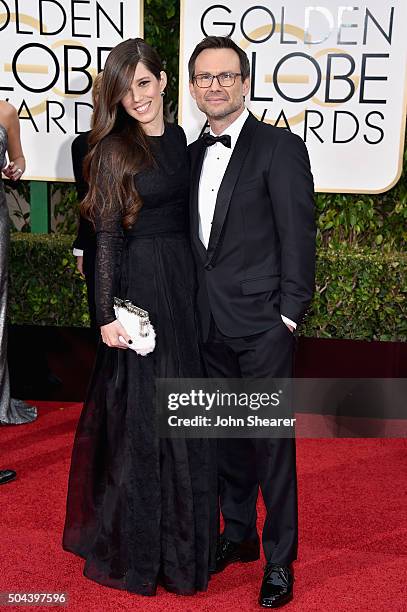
79,264
111,332
290,324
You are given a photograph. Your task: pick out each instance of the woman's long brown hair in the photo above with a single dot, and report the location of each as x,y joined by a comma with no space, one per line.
118,147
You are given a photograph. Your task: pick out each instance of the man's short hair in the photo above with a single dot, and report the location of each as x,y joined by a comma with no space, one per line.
219,42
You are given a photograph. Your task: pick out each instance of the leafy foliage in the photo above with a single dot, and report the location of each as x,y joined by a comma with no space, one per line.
17,192
66,208
45,287
377,221
161,30
360,294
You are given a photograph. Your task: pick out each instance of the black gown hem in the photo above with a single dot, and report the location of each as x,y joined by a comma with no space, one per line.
142,589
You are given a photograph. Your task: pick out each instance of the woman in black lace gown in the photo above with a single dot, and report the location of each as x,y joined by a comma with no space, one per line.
141,510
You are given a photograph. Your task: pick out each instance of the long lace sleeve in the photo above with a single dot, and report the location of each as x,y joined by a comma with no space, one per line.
109,245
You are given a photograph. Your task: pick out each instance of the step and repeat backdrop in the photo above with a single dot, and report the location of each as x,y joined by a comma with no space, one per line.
49,52
334,74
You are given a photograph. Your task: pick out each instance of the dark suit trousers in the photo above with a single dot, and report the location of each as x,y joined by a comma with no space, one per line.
246,464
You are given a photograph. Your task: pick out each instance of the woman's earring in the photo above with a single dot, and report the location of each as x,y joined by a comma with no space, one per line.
162,93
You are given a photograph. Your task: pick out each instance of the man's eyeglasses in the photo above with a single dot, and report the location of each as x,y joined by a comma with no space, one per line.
225,79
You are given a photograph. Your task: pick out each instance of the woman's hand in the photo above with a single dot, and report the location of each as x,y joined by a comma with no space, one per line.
13,171
111,332
16,167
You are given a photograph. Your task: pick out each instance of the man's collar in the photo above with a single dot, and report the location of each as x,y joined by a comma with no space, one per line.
234,128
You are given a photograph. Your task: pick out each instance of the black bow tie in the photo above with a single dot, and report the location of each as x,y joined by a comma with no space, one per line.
210,140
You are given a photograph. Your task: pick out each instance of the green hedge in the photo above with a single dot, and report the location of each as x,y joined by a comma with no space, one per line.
360,294
45,287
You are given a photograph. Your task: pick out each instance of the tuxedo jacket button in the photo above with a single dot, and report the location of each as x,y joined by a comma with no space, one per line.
208,267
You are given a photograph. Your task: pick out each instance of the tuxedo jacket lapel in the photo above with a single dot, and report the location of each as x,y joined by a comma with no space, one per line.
228,183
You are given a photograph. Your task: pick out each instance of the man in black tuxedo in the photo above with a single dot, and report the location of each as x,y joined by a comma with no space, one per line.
253,233
84,246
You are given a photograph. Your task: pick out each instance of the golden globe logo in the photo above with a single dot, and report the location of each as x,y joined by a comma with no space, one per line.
316,81
50,52
40,62
332,73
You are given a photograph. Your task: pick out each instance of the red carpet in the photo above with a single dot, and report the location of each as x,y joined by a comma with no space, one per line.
353,528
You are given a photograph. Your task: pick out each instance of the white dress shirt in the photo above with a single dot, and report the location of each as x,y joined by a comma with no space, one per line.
214,166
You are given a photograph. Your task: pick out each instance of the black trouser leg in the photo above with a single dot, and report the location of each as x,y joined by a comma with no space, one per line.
238,482
278,482
271,355
243,463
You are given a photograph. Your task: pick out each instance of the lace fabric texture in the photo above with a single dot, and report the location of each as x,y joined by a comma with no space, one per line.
141,510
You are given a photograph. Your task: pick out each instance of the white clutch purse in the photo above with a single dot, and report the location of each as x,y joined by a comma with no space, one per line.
137,324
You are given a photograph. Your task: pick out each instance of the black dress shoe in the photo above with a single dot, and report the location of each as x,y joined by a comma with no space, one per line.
277,586
229,552
7,476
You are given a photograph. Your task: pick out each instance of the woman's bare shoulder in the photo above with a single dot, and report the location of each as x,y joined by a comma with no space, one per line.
8,114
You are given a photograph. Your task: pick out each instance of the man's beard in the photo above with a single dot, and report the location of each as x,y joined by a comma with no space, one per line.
221,113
